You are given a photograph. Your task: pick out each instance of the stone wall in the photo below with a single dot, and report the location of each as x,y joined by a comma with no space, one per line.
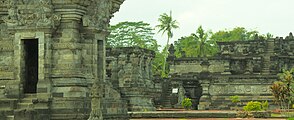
243,68
70,38
130,71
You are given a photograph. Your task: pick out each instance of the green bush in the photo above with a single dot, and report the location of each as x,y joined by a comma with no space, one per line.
290,119
264,105
187,103
235,99
253,106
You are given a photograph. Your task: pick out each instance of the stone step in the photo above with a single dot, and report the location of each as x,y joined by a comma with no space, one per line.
30,95
26,100
10,117
182,114
25,105
68,116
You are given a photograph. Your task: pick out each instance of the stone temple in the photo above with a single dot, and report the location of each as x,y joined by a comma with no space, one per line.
51,54
129,71
54,66
243,68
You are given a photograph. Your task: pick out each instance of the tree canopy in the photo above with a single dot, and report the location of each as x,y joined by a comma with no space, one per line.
239,33
203,43
128,34
197,44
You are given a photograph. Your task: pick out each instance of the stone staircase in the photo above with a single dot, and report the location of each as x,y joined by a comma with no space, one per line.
7,107
26,102
10,117
166,94
267,57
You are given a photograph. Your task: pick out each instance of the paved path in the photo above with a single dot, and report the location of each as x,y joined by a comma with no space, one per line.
169,112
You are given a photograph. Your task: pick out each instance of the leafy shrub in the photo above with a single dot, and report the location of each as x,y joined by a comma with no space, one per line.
290,118
187,103
235,99
264,105
253,106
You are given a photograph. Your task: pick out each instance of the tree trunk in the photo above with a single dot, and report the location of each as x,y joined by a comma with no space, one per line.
165,56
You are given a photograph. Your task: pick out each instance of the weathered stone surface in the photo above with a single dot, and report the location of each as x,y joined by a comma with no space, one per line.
129,70
243,68
183,114
51,54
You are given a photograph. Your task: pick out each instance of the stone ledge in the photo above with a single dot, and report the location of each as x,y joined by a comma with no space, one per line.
183,114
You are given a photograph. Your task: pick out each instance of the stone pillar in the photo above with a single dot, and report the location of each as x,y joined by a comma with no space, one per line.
181,94
97,89
205,99
66,72
70,90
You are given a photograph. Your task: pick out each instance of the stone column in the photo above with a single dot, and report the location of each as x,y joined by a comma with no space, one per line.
205,99
181,94
97,89
70,90
67,68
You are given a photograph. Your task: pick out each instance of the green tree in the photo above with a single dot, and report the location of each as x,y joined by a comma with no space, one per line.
158,63
204,46
166,25
283,90
238,33
185,46
196,45
128,34
268,36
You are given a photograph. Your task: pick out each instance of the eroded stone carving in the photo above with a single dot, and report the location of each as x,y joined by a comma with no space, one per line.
41,16
99,10
13,16
133,76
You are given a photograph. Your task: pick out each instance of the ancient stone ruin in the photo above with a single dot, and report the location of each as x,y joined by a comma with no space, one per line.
243,68
129,70
51,54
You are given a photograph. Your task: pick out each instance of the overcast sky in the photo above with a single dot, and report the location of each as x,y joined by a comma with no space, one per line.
273,16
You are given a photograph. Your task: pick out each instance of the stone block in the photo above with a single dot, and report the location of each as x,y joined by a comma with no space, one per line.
2,115
25,114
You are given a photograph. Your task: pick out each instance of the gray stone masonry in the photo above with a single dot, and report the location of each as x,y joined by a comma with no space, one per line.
51,54
130,71
243,68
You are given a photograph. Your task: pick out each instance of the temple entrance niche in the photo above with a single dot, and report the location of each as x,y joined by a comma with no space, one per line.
193,90
30,67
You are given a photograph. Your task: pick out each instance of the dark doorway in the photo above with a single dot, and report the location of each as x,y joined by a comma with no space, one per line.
30,65
194,92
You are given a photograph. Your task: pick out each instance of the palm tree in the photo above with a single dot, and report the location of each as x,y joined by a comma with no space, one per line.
165,26
204,45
